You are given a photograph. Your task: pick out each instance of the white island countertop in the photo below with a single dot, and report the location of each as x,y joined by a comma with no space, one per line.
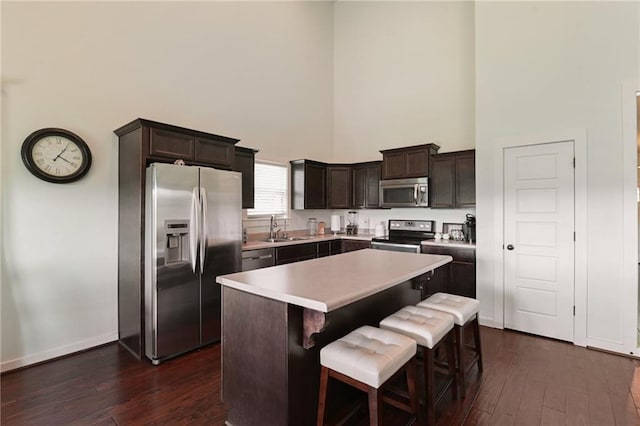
331,282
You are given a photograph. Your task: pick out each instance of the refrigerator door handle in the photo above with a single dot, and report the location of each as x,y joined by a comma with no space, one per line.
203,228
193,232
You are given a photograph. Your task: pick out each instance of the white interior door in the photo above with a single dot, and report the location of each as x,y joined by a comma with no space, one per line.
539,239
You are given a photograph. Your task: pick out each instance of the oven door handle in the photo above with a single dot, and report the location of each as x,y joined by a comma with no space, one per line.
375,244
416,194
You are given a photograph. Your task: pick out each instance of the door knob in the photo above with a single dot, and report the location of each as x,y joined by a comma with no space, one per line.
510,247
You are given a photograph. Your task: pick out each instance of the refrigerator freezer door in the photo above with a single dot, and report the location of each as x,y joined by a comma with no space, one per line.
172,288
221,191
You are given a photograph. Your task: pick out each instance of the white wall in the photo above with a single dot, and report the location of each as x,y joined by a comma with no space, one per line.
260,72
545,66
403,75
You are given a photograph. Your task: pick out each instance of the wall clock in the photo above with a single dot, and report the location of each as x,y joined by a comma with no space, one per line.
56,155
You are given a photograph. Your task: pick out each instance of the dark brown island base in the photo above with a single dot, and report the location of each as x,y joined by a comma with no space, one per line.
276,320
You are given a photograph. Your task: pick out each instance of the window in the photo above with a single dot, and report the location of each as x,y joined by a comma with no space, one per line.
271,195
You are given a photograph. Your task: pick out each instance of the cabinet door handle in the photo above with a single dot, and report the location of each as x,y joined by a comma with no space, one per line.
510,247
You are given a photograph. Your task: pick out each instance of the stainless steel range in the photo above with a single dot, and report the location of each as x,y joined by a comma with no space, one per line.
405,235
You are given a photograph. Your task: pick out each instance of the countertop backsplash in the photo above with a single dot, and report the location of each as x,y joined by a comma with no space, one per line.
368,219
296,223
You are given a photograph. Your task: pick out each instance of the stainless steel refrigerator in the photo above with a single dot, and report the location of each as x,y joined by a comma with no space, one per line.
193,234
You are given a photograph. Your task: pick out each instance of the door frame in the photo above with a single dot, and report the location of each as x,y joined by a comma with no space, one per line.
630,214
579,138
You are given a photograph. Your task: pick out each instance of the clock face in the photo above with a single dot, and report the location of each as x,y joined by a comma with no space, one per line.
56,155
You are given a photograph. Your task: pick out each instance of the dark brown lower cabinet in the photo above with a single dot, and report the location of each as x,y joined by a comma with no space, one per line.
353,245
298,252
459,277
335,247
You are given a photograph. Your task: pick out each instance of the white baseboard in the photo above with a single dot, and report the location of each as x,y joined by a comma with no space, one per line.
56,352
489,322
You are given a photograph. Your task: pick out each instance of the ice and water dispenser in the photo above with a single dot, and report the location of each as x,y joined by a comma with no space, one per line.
177,236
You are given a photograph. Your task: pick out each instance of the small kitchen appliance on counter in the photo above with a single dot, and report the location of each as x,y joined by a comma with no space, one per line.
405,235
469,228
352,223
335,223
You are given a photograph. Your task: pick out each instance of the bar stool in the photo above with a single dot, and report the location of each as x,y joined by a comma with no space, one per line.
366,359
430,329
465,312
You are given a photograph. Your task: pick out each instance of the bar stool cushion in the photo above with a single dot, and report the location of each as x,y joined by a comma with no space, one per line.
368,354
462,308
426,326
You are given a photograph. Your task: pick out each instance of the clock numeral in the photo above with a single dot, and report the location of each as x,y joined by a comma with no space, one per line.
75,157
48,168
74,150
57,171
74,164
37,154
40,161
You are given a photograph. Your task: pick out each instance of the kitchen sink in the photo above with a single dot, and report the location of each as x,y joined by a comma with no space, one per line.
275,240
284,240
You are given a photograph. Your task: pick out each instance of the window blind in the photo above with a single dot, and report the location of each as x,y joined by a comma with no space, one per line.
271,195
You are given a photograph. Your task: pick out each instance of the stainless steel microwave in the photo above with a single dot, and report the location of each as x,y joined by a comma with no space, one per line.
404,192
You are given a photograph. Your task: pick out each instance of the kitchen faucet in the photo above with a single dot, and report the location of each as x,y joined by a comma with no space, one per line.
273,225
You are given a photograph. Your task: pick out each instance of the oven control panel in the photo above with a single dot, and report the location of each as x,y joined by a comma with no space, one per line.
412,225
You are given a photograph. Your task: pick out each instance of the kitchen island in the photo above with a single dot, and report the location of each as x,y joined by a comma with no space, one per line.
276,320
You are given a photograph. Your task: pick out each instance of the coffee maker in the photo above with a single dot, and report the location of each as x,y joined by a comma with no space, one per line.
469,228
352,223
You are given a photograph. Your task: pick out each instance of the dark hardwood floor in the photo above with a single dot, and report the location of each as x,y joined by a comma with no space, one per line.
527,381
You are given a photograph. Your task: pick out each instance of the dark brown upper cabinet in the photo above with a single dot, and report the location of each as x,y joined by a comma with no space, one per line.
453,181
408,162
308,185
244,162
366,184
166,142
214,152
339,186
